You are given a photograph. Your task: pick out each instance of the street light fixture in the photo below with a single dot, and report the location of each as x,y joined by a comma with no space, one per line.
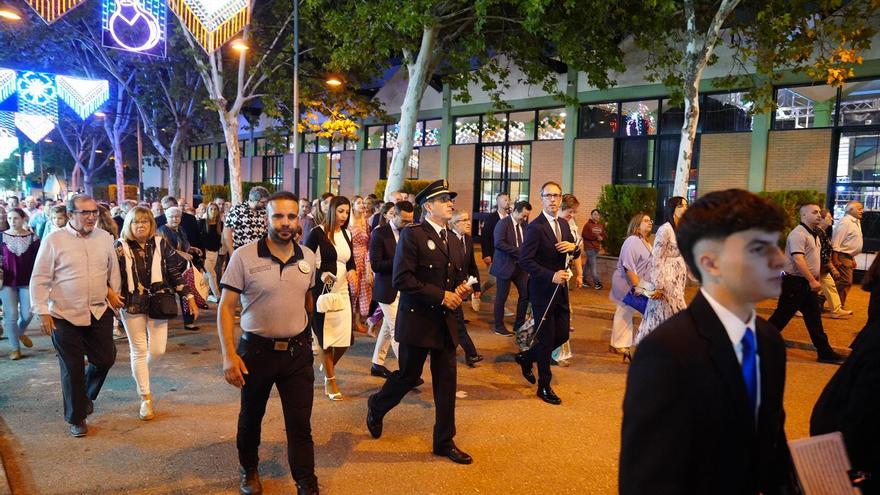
239,45
9,14
334,82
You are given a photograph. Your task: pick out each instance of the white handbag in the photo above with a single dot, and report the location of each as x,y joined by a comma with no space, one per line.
330,302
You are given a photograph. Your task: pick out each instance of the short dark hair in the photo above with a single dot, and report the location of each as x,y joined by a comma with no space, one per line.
720,214
550,182
404,205
169,200
326,195
520,205
283,195
669,210
595,210
71,203
257,193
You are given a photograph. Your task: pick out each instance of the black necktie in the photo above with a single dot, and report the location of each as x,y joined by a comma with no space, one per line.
518,235
463,245
443,236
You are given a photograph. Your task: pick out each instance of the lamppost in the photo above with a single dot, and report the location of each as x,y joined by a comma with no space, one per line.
295,142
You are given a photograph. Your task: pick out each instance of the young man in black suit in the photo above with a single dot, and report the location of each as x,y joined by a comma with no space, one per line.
509,235
429,273
544,255
461,228
487,235
383,243
703,406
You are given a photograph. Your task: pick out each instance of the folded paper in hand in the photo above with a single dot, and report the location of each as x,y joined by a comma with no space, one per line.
822,465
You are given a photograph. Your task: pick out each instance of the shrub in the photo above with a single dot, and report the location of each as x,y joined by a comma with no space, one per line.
790,201
618,203
154,193
131,192
211,191
409,186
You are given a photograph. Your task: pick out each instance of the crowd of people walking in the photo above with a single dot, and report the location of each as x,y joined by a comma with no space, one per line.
401,271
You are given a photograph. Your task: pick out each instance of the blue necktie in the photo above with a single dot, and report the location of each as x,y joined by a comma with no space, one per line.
750,367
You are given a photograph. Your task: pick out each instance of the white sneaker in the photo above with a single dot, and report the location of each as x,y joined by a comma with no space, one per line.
211,299
840,314
475,304
146,412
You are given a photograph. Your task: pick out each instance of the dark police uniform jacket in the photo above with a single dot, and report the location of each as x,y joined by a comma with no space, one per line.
424,269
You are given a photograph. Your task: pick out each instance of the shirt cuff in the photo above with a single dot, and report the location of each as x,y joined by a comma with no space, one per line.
233,289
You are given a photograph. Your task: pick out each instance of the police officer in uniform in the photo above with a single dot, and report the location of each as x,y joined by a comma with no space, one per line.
429,273
267,276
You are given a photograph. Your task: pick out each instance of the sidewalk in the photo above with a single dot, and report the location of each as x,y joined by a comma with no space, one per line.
588,302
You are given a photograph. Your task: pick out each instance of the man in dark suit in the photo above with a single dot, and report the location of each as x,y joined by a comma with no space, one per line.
428,272
383,244
505,267
703,406
546,250
461,227
487,233
850,404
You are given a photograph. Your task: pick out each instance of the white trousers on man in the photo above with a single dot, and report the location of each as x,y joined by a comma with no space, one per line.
385,339
829,289
146,341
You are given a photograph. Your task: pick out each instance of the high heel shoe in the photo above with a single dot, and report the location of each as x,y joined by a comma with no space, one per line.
331,396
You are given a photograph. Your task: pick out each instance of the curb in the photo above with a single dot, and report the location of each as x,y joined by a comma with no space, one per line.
606,314
5,488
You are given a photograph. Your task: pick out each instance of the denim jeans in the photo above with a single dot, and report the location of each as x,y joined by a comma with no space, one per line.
16,312
591,270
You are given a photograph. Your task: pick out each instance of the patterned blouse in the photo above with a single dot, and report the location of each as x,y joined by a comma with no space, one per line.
19,253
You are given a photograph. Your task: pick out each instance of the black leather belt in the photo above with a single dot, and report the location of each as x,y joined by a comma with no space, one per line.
304,339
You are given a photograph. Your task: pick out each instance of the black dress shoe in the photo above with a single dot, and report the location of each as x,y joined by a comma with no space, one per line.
250,482
419,383
455,455
78,430
526,366
503,332
472,360
374,422
380,371
831,358
547,395
307,488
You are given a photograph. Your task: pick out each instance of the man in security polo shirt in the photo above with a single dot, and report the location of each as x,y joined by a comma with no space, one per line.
271,279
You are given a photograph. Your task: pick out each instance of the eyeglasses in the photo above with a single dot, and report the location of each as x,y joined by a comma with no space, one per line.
551,196
86,213
141,222
445,198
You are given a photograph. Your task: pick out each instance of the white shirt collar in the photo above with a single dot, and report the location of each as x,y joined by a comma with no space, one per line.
437,228
735,327
549,218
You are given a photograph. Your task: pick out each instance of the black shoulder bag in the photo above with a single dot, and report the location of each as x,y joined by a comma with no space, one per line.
163,302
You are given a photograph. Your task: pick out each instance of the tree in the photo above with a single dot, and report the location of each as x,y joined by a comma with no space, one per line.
471,42
83,140
819,39
117,126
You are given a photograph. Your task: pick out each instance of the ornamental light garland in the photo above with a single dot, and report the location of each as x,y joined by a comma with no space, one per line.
211,22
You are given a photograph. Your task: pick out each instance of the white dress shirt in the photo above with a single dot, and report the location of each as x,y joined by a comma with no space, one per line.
847,237
72,273
736,329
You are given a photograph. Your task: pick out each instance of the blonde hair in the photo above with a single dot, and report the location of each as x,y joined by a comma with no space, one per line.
137,213
635,223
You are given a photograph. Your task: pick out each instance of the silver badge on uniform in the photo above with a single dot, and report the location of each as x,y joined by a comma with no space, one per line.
431,245
303,266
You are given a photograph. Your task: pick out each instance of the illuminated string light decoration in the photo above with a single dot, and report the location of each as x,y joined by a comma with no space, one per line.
8,138
211,22
35,127
37,94
51,10
135,25
7,83
84,96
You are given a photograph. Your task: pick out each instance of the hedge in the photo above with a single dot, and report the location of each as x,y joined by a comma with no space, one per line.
618,204
409,186
211,191
790,201
131,192
155,193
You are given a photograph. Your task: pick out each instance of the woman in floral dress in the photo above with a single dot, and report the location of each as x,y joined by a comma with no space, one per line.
362,289
670,273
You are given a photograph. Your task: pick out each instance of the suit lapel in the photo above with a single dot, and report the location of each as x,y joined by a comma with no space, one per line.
772,378
723,356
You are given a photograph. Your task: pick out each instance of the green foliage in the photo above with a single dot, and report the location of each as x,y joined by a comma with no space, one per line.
211,191
155,193
790,201
409,186
618,204
131,192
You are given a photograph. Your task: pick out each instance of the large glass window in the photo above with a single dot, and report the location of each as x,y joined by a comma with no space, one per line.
860,103
273,170
412,168
551,124
638,118
671,117
804,107
334,170
200,152
725,112
467,129
375,137
494,128
521,126
432,132
599,120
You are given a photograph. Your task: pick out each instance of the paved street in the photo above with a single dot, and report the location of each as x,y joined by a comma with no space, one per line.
520,444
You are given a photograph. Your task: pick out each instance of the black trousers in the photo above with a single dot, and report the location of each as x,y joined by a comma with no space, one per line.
81,384
797,296
464,338
553,332
502,288
412,361
292,374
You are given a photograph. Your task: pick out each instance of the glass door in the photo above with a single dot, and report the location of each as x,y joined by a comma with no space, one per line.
502,168
857,178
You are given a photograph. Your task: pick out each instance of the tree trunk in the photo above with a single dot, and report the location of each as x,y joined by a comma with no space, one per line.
696,57
75,177
175,164
119,165
230,133
419,73
87,183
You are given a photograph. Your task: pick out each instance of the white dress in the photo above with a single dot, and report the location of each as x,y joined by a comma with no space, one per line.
337,324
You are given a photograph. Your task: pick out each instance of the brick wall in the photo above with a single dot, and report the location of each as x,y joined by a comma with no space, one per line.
798,159
593,159
724,161
429,163
369,170
546,166
461,174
